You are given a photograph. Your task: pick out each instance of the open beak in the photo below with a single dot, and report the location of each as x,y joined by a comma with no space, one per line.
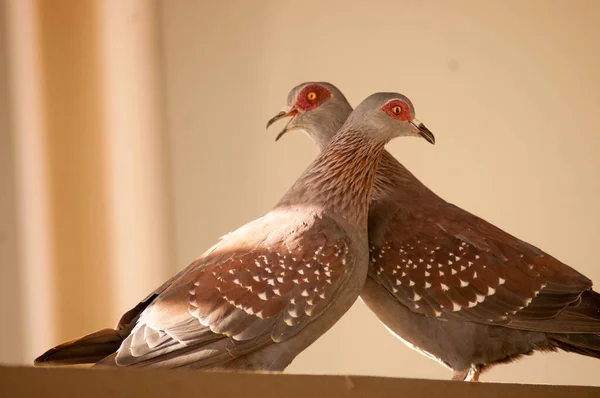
285,112
423,131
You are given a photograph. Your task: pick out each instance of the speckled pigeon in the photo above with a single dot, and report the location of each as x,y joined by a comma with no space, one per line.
268,290
447,283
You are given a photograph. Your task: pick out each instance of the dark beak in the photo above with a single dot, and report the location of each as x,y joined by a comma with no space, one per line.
285,112
423,131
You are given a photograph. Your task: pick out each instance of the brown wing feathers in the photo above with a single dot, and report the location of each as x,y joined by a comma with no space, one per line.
288,283
481,277
262,296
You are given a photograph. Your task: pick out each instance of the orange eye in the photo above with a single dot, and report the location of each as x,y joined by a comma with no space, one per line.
311,96
396,110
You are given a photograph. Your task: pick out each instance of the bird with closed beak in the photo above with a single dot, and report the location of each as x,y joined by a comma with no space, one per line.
268,290
447,283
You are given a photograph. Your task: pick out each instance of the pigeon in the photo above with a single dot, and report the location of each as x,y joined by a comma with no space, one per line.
268,290
446,282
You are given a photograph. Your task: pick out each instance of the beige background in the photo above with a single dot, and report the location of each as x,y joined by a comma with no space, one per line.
511,90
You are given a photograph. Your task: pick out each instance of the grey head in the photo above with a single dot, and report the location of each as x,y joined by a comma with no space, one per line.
320,109
317,108
384,116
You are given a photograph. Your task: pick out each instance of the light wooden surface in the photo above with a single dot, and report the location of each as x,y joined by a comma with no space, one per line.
63,383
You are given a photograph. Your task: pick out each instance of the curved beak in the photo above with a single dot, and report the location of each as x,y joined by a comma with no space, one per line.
423,131
285,112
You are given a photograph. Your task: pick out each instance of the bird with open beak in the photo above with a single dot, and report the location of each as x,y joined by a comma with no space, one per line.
267,291
333,111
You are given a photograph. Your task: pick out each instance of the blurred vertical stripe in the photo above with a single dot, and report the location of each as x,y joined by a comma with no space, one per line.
91,177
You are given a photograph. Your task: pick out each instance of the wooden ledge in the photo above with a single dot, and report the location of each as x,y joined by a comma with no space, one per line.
28,382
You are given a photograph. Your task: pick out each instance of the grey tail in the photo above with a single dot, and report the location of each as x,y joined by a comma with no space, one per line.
95,346
586,313
87,349
583,344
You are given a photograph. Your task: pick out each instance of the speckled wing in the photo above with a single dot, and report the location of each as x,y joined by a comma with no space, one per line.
458,266
236,301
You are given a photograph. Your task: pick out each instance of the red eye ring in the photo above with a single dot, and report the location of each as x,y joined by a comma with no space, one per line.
397,109
311,97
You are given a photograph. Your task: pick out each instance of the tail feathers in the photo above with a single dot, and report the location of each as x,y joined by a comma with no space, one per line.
581,317
588,306
87,349
96,346
583,344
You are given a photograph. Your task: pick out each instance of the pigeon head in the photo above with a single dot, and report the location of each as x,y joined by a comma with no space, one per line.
318,109
385,116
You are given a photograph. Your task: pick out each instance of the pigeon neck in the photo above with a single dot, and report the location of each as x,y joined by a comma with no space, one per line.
323,135
341,178
392,177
